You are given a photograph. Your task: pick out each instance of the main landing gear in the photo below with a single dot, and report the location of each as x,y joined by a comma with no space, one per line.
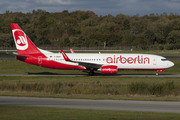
157,73
91,73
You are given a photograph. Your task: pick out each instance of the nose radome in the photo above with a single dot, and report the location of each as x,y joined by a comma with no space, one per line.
171,64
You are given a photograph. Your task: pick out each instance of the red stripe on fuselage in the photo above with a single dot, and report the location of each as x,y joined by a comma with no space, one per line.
46,62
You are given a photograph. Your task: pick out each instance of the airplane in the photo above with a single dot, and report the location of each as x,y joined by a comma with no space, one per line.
105,63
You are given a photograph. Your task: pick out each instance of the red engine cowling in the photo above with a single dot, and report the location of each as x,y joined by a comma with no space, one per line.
162,70
110,69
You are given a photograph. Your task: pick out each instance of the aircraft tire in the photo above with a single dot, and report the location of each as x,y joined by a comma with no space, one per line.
91,73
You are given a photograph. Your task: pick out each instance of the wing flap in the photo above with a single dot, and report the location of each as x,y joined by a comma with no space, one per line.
89,65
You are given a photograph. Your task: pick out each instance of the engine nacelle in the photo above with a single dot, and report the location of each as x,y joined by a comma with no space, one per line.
110,69
161,70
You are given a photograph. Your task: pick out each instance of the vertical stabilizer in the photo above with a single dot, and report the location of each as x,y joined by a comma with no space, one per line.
24,45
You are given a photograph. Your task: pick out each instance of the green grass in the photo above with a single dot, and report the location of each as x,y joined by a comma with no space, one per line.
119,88
89,80
37,113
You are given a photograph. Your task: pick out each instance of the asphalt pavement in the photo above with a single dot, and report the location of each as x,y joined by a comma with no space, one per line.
118,105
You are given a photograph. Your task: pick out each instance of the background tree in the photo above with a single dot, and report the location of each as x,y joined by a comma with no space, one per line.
150,36
174,39
126,25
85,29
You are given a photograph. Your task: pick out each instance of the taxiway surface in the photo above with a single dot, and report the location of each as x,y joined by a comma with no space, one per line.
74,75
120,105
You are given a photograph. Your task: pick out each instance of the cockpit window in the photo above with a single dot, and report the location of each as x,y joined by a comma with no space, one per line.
164,59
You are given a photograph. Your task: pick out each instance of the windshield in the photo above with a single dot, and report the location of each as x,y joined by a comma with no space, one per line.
164,59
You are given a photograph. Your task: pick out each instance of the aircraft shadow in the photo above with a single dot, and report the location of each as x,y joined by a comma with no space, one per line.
96,74
41,73
55,74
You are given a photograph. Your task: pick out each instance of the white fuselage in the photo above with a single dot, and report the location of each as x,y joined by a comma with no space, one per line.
122,61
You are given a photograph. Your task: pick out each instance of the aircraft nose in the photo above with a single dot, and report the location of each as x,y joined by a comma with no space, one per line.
171,64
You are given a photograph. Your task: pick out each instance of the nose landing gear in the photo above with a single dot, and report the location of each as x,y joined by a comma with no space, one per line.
157,73
161,70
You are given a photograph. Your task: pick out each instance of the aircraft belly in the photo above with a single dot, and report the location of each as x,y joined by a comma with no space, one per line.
138,66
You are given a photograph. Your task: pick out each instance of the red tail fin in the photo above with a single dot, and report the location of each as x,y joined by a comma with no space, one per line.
23,44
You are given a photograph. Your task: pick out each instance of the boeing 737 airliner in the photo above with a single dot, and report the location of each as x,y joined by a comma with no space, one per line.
105,63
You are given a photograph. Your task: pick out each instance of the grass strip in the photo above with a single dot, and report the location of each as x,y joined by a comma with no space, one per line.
38,113
127,88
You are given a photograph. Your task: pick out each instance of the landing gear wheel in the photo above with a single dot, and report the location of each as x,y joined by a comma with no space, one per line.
91,73
157,73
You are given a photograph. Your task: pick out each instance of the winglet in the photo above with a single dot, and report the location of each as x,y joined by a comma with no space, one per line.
71,50
65,56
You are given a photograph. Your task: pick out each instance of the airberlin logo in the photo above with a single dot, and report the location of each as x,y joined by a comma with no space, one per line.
20,39
129,60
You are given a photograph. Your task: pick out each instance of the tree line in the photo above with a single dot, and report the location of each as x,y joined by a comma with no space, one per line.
87,29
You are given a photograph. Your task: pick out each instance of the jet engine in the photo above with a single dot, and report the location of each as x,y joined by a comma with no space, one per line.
110,69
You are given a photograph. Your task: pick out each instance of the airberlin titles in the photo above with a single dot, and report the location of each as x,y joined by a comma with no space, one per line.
130,60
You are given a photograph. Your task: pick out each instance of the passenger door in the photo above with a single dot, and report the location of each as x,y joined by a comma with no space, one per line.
154,61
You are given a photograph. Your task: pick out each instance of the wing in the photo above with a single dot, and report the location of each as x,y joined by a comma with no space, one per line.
85,64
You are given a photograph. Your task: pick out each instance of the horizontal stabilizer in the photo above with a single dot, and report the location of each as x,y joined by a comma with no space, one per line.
22,56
